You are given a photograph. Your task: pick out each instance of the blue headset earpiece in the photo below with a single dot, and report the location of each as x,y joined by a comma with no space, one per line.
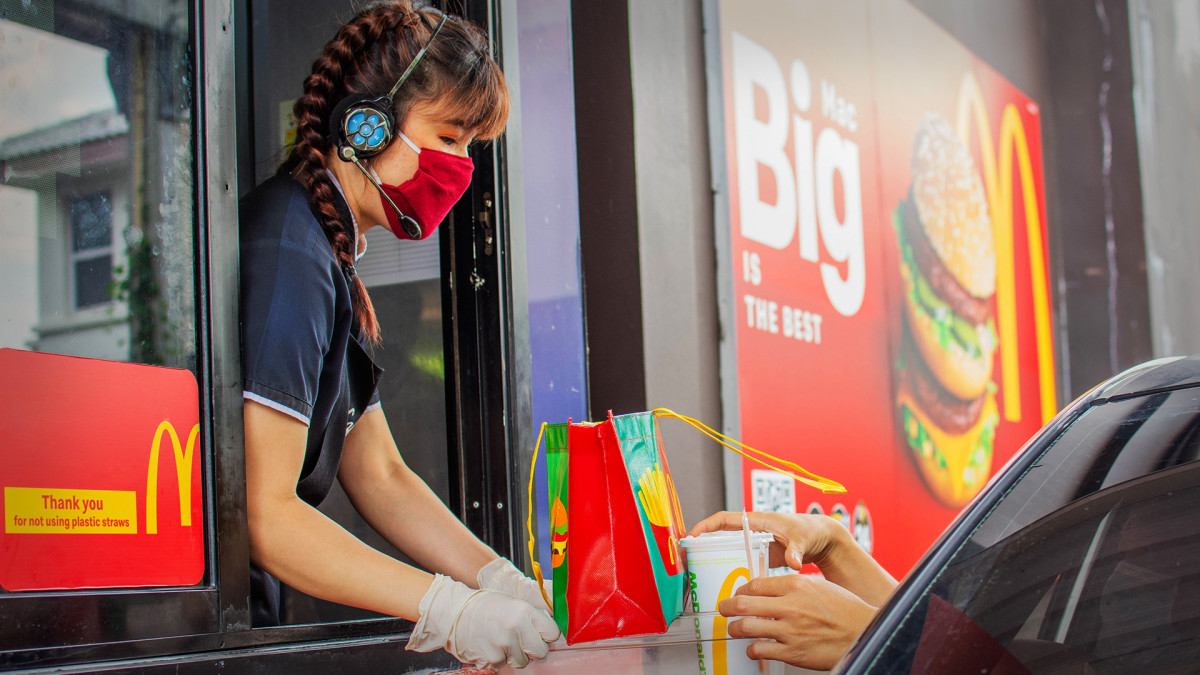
362,125
368,126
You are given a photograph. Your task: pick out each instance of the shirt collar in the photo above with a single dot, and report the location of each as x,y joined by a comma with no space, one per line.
360,243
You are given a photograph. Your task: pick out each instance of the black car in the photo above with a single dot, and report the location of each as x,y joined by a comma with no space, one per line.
1081,556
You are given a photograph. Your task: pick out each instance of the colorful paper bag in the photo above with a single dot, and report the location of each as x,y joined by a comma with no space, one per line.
619,582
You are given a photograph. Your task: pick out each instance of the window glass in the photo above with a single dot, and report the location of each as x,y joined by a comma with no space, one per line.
1087,565
91,222
96,190
91,236
98,261
549,191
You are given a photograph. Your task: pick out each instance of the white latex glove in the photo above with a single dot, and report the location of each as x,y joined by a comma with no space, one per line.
501,575
484,628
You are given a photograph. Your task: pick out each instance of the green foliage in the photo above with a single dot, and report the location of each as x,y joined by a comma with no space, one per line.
137,286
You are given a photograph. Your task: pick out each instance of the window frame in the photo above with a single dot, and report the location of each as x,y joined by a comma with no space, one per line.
212,620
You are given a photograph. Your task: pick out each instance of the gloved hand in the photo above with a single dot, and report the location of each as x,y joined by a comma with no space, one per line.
501,575
484,628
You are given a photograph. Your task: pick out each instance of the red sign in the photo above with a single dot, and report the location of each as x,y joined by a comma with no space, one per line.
888,254
100,472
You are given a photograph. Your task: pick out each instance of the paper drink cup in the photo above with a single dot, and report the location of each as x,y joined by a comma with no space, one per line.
716,564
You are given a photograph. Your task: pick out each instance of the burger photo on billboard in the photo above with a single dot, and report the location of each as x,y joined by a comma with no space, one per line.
945,396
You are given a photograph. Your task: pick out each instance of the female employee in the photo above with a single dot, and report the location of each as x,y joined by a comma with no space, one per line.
805,621
383,127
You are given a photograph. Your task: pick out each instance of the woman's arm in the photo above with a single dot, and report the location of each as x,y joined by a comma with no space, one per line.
300,545
307,551
402,508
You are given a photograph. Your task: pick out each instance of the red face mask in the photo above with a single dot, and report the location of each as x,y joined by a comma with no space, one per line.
426,198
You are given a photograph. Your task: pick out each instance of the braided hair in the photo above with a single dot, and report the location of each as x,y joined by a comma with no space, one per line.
368,54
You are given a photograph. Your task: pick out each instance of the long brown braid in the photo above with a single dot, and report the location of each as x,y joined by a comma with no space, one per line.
366,57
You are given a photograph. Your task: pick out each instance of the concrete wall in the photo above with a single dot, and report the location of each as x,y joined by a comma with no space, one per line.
1166,68
646,226
678,264
1103,322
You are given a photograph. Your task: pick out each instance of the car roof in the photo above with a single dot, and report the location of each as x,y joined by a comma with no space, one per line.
1175,372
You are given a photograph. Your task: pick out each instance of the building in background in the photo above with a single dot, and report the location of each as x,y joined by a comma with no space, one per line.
97,135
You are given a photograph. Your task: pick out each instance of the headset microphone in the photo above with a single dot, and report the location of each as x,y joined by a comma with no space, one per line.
411,228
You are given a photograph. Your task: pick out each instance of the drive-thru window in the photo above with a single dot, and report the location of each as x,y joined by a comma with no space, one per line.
129,131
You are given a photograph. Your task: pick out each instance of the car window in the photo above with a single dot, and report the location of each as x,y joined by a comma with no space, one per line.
1087,565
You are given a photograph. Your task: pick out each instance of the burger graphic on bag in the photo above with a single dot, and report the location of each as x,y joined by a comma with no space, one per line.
945,399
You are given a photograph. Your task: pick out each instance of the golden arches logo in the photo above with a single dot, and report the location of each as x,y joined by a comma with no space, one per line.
183,474
998,181
721,624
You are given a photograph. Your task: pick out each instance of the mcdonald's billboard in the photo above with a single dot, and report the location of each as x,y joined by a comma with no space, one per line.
100,471
889,284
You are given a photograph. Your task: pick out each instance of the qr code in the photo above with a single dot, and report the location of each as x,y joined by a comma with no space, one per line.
772,491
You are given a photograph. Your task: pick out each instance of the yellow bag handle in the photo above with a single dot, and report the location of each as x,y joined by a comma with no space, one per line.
537,567
789,468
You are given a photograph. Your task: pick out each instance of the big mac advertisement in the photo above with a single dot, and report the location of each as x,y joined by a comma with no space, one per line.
887,243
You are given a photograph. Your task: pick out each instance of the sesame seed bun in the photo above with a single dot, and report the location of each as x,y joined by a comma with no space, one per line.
951,206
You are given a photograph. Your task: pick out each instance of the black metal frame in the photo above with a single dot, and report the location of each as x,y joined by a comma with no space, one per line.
208,627
478,341
45,628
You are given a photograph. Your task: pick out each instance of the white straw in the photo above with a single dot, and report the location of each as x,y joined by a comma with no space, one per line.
746,535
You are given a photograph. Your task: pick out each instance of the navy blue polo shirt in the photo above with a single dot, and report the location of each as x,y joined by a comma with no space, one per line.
301,353
299,346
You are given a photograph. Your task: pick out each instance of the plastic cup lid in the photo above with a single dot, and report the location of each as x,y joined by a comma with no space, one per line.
729,539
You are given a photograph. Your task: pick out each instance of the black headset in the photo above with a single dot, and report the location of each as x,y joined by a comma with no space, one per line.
361,127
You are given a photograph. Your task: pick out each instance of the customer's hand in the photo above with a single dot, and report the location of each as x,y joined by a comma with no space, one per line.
501,575
484,628
821,540
811,621
799,538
